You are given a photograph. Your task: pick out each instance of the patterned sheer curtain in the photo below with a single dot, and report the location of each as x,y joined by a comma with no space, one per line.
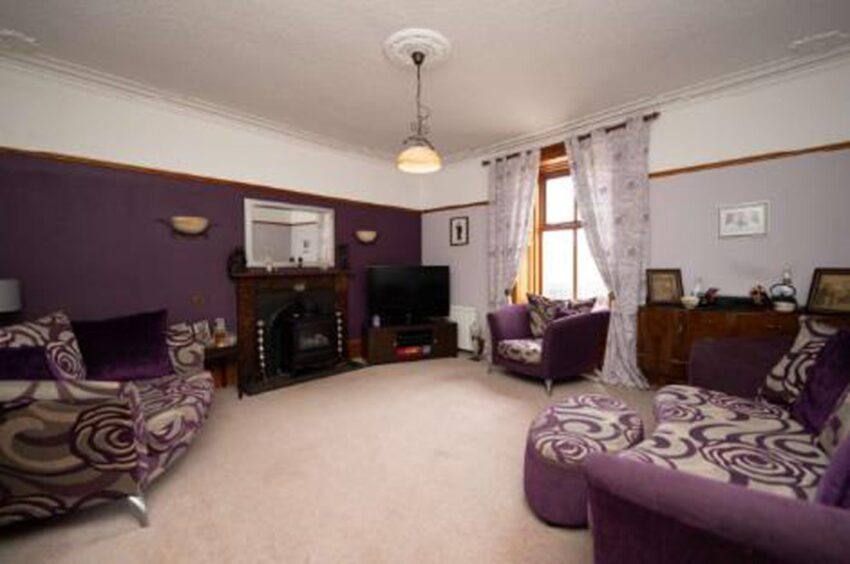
610,172
511,185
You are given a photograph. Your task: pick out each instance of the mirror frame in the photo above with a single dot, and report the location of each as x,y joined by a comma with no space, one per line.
250,204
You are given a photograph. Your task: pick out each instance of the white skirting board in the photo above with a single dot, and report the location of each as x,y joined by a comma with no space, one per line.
464,316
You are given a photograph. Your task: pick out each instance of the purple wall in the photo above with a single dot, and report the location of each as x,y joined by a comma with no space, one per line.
86,238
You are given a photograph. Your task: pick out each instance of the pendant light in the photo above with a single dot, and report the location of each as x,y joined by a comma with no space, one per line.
419,155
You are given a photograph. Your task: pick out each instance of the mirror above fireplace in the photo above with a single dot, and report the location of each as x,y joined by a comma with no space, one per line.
283,235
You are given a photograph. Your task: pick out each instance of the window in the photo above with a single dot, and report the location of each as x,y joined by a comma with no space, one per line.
558,262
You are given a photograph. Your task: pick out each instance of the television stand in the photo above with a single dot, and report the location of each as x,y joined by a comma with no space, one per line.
399,343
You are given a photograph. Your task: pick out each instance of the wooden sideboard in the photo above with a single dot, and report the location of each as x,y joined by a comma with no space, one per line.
667,333
411,342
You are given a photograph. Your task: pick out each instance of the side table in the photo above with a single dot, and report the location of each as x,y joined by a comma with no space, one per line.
221,362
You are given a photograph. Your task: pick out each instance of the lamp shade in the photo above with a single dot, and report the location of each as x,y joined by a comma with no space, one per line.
10,295
419,159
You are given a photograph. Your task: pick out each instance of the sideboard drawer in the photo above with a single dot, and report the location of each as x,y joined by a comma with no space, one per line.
766,324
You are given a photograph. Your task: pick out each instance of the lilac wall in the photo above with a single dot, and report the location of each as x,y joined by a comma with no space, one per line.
809,199
86,238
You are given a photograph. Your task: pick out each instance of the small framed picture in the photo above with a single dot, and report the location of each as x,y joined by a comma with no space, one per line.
663,286
202,331
830,291
459,231
743,220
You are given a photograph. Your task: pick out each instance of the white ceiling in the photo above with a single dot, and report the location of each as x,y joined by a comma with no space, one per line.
517,66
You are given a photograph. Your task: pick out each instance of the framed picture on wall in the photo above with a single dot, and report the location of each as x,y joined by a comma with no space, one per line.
830,291
663,286
459,231
743,220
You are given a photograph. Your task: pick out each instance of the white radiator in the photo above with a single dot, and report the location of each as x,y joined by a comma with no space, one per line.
464,316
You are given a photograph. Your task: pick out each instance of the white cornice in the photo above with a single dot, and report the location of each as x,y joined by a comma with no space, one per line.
90,78
781,69
754,77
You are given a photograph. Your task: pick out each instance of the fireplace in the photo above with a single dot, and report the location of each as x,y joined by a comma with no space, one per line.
299,337
292,325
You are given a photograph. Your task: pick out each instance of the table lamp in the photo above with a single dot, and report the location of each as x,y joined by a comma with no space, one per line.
10,295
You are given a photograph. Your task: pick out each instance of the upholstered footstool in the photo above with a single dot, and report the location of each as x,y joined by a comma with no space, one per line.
559,440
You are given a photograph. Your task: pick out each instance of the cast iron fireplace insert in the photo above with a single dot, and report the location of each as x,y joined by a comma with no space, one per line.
297,335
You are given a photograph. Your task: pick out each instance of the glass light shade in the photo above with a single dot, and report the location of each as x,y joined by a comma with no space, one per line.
419,159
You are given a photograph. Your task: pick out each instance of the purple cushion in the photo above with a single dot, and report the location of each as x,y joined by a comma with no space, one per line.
25,363
834,487
54,333
828,378
576,307
125,348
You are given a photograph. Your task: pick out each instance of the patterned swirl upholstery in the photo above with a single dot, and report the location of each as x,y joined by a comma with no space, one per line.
559,440
68,444
175,408
786,380
527,351
568,431
53,332
734,440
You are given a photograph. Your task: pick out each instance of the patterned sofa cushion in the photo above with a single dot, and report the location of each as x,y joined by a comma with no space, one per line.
527,351
541,312
786,380
54,333
185,351
175,408
730,439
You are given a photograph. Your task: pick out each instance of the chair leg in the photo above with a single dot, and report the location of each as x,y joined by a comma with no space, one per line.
138,508
548,385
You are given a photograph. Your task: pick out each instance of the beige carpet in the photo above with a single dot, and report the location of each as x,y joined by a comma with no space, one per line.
417,462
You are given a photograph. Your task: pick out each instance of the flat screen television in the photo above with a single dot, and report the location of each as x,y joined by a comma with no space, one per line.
408,293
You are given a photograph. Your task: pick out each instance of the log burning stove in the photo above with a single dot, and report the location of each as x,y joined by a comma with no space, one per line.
292,326
293,341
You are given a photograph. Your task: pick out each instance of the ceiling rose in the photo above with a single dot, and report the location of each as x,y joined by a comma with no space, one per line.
401,45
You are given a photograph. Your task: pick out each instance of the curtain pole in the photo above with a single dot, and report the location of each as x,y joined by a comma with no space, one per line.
608,129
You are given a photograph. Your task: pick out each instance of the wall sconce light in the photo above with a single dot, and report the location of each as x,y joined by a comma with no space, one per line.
366,236
187,224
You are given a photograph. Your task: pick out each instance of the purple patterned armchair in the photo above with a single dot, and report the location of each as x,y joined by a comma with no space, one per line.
569,347
70,444
703,487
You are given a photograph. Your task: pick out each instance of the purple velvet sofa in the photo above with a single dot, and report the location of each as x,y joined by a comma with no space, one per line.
67,444
655,512
569,347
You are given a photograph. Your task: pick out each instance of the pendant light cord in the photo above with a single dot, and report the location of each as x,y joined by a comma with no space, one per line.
418,59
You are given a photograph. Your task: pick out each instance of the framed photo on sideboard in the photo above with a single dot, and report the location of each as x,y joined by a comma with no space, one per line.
830,291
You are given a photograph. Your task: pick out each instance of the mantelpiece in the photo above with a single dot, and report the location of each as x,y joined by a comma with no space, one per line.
259,294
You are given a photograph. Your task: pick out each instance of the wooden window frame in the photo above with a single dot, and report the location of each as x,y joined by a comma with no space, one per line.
553,164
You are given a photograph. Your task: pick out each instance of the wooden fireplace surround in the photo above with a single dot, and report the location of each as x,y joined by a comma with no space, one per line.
253,282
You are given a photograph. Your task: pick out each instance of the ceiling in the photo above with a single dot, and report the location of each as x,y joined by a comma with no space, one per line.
517,66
